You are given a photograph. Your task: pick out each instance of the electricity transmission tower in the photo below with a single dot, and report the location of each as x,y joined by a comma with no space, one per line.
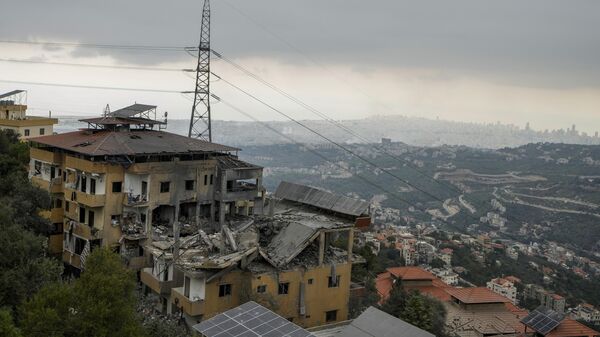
200,121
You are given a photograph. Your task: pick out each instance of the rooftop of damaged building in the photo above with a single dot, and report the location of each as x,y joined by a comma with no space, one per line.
128,131
284,238
322,199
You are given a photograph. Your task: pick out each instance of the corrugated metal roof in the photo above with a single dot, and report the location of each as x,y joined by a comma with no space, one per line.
320,198
376,323
105,142
132,110
11,93
109,120
227,163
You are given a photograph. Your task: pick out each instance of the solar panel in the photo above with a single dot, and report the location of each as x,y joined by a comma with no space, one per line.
250,320
543,320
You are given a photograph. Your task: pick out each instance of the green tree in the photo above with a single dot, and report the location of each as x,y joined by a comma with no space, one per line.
24,267
358,304
437,263
7,327
417,313
100,303
396,302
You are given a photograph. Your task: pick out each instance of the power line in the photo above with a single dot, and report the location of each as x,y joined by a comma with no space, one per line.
91,87
91,65
346,129
326,117
100,46
346,149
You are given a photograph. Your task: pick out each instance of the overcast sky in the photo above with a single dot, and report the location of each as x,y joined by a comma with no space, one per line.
480,61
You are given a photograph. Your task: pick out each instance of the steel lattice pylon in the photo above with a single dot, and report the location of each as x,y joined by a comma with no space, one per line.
200,126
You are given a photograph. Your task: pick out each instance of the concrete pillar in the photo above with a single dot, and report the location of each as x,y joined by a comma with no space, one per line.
176,232
321,248
350,243
212,214
221,214
149,232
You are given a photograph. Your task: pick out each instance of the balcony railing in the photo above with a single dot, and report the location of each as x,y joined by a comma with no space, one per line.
131,200
72,259
91,200
190,307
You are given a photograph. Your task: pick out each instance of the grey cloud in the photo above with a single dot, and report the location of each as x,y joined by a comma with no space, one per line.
548,43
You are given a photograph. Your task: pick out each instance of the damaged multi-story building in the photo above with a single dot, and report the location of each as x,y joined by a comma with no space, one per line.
284,259
195,221
122,181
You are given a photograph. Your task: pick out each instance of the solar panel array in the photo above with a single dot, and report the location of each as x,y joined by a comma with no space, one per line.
543,320
250,320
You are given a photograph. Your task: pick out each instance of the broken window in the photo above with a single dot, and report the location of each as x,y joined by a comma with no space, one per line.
211,179
333,282
224,290
331,316
79,245
66,206
58,203
52,172
165,186
189,185
37,166
205,179
91,218
92,186
81,215
186,287
117,187
284,288
261,289
83,183
310,281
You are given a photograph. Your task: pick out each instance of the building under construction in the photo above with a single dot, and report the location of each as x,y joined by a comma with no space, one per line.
194,220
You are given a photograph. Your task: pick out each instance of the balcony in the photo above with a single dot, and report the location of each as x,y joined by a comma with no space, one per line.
135,262
55,244
90,200
135,200
190,307
239,192
159,287
43,155
72,259
53,186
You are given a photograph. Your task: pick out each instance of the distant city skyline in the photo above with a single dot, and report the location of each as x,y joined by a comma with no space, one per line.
463,61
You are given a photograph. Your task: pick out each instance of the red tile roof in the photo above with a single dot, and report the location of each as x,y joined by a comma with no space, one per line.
411,273
476,295
572,328
384,284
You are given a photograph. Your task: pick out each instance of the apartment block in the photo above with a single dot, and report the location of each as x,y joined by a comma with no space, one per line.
13,116
122,182
503,287
283,259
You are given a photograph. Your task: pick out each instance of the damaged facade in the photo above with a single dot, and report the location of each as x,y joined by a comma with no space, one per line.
283,259
194,220
122,182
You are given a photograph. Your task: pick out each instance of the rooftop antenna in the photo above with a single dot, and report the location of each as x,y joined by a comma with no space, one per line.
106,110
200,121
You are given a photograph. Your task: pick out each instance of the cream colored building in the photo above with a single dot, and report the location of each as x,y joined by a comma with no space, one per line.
122,182
13,116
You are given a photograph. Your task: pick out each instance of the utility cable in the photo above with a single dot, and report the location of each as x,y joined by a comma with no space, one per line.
92,65
100,46
91,87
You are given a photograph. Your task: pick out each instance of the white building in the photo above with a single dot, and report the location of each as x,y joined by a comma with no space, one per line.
503,287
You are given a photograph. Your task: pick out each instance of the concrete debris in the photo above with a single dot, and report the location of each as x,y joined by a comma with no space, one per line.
229,236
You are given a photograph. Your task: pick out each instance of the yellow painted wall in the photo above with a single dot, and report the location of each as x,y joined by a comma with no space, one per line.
319,298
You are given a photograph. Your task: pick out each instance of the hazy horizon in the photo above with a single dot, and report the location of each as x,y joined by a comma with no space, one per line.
512,62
